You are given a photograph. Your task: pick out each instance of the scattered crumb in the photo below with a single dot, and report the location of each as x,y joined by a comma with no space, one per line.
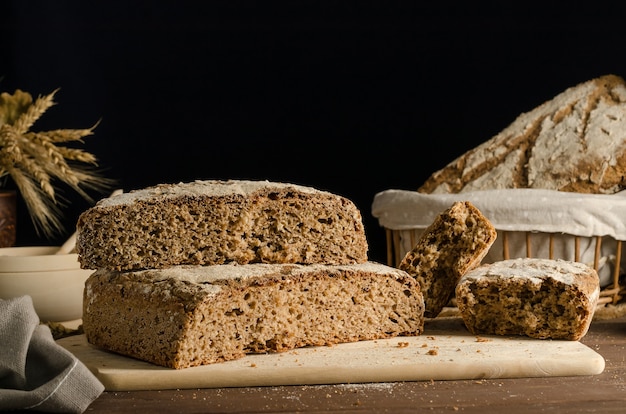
431,338
424,345
432,352
369,386
403,344
253,365
479,339
59,330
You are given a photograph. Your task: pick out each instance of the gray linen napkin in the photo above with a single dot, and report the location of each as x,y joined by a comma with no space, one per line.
35,372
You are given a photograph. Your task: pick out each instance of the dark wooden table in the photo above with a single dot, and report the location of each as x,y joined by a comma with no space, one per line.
604,393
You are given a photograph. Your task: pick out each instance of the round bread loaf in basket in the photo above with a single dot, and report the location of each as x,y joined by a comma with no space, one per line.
587,228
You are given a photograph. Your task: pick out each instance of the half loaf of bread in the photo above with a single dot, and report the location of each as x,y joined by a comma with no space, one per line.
539,298
187,316
218,222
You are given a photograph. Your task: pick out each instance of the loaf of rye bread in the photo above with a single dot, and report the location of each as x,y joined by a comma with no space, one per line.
539,298
186,316
456,241
218,222
575,142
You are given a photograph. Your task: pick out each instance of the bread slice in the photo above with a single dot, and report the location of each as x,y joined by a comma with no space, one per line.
456,241
539,298
575,142
187,316
217,222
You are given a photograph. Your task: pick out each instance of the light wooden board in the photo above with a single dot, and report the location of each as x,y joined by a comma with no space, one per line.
446,351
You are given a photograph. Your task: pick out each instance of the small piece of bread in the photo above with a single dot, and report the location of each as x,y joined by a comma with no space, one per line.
187,316
456,241
218,222
539,298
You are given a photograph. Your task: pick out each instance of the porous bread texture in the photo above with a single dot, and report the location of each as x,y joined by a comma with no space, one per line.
575,142
456,241
187,316
217,222
539,298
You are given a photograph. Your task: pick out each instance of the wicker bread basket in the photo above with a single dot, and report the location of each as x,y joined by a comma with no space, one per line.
530,223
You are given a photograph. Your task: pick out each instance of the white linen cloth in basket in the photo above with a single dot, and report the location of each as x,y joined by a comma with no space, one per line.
519,211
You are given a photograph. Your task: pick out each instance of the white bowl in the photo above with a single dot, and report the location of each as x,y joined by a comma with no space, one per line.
54,282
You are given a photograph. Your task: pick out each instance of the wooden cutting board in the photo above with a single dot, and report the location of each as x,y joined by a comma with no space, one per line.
446,351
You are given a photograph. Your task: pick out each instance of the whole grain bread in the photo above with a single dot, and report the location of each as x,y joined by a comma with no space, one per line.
574,142
187,316
217,222
456,241
539,298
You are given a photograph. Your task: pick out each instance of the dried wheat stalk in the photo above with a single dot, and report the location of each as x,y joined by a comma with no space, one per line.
34,160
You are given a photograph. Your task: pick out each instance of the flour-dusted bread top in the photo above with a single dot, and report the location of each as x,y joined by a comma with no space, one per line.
575,142
537,271
210,280
216,222
204,188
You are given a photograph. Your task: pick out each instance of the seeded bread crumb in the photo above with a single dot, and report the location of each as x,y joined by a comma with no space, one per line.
457,241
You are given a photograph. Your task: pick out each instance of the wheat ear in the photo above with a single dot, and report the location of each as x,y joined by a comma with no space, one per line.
23,123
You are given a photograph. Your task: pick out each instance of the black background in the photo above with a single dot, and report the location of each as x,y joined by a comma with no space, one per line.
353,97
